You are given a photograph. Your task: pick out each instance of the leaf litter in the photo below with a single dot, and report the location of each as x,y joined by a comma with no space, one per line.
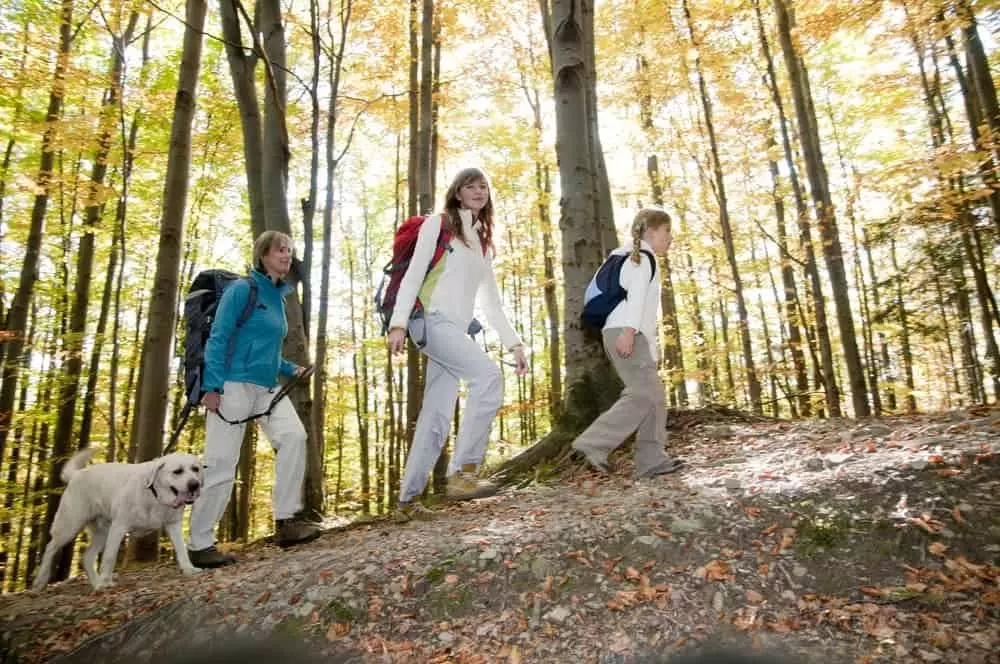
838,541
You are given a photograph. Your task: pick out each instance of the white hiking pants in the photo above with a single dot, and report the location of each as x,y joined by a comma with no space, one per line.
451,356
222,452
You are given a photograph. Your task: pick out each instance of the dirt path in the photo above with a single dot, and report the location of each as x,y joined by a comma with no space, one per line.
835,541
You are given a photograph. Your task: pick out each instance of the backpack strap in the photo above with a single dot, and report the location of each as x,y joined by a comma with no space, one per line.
245,315
652,263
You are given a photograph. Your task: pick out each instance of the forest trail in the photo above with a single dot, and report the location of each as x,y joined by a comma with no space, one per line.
837,541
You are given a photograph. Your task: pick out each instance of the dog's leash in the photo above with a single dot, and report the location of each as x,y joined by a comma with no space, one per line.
278,396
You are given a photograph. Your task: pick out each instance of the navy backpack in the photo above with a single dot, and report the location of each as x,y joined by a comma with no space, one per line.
605,291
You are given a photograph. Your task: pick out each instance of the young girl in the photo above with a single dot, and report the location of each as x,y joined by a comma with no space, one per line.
631,342
448,294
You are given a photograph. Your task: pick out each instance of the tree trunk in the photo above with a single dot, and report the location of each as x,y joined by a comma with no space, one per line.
13,467
585,220
790,299
308,203
424,175
154,370
15,118
543,193
859,274
882,340
73,345
242,66
904,331
115,257
825,215
753,383
938,268
584,233
983,293
12,343
244,486
986,97
673,352
822,334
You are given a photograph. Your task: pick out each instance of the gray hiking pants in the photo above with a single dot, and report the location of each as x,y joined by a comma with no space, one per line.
451,356
642,405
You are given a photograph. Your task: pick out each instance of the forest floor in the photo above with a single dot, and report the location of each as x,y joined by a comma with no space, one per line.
831,541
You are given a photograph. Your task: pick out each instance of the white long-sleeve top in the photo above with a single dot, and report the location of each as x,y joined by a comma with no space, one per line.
452,286
641,309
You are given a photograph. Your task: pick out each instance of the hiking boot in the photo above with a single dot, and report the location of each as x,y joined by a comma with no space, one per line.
411,511
668,465
210,558
464,485
289,532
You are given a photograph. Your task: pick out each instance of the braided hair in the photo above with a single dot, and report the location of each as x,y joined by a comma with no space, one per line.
646,219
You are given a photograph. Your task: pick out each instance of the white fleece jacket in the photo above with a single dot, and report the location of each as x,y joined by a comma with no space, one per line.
641,309
452,286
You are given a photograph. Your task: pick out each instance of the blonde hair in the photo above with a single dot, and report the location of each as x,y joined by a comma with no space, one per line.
645,219
452,205
263,245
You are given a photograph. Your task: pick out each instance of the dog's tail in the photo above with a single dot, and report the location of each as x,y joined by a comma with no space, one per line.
76,463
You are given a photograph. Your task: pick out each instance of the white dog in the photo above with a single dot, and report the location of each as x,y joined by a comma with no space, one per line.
113,499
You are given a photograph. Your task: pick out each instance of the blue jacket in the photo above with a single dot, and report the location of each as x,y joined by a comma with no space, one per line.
257,353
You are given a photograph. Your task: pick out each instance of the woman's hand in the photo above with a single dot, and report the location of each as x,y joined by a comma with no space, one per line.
396,340
211,401
521,360
625,343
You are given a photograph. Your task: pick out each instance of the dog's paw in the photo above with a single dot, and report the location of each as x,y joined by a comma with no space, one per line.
189,571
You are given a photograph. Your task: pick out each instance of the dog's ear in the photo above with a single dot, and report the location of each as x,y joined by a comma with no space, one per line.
152,475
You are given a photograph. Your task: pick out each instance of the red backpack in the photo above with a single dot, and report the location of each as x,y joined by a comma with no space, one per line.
402,252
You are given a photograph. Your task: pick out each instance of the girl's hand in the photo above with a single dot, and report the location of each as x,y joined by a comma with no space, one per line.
521,360
625,343
212,401
396,340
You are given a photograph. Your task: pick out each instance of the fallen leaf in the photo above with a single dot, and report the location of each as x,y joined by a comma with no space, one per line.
337,631
632,574
937,548
451,579
754,597
716,570
596,511
948,472
770,529
935,458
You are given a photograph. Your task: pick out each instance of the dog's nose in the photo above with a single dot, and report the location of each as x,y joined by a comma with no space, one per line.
193,485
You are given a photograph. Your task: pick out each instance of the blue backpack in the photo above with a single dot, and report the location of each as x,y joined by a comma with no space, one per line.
605,291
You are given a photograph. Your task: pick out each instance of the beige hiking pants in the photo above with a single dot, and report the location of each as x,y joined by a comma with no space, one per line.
642,406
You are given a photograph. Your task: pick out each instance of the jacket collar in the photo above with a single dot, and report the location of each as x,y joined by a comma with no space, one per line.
466,217
283,287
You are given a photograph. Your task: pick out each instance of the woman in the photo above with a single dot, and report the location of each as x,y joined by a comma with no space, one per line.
241,383
447,294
